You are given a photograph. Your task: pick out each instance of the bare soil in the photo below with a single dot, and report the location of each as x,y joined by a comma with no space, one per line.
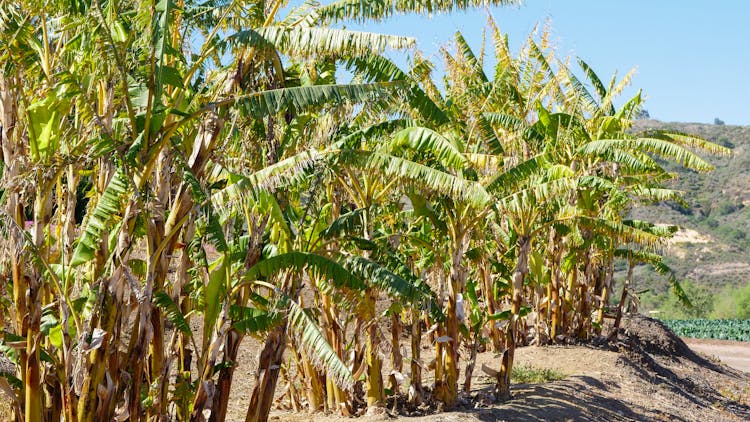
735,354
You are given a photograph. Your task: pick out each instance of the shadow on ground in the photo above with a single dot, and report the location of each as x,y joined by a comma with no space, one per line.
575,398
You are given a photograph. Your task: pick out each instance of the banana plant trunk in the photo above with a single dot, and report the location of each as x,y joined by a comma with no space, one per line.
92,403
34,403
415,388
511,339
267,374
337,398
224,384
375,392
491,303
149,345
316,392
568,313
12,152
184,352
605,292
374,381
621,304
555,285
234,338
162,239
472,362
447,390
584,296
397,359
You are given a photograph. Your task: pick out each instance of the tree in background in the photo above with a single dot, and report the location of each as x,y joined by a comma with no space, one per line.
701,303
743,302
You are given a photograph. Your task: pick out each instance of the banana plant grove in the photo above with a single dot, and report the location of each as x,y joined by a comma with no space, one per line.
179,175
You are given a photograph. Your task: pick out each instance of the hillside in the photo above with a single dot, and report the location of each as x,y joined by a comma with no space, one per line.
711,252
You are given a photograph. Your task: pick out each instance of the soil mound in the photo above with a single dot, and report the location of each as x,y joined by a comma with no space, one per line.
650,338
653,336
664,363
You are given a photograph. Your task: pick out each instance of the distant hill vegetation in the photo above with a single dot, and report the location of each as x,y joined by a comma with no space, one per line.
711,253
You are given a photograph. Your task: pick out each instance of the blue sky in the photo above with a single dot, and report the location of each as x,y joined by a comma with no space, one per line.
692,56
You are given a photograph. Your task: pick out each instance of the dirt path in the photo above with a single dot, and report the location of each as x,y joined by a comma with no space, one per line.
735,354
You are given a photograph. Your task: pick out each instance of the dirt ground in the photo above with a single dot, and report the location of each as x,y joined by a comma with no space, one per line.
735,354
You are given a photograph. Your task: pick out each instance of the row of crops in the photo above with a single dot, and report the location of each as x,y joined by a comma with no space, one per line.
723,329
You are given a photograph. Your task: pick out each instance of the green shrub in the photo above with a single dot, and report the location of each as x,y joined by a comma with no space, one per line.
528,374
725,207
742,302
725,304
701,300
725,142
711,222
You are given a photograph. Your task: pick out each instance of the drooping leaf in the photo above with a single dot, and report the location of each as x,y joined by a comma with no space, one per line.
297,261
298,40
687,140
303,97
662,148
345,223
379,276
249,320
427,140
518,175
377,68
100,218
363,10
172,312
323,357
